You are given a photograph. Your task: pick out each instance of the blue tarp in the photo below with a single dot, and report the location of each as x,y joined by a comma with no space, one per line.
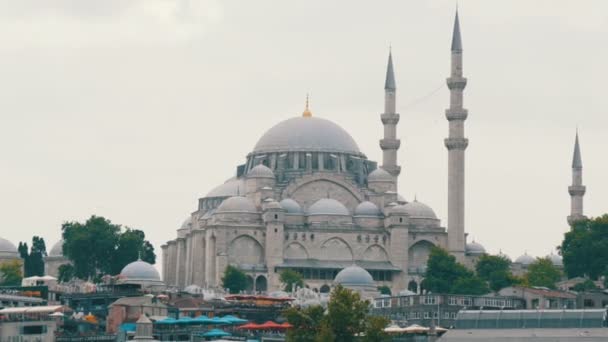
127,327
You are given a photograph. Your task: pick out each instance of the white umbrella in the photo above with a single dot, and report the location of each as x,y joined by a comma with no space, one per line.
394,329
56,314
415,329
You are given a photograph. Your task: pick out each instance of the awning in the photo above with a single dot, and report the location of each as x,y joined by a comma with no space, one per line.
338,264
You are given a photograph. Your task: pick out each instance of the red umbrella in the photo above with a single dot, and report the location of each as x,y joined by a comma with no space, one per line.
286,325
271,325
249,326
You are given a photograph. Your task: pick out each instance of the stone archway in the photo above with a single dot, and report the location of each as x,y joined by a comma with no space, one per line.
413,286
261,284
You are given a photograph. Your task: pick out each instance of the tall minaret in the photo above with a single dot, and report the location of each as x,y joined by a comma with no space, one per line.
456,144
577,189
390,144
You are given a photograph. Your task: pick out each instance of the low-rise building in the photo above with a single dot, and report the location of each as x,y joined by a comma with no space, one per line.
541,298
595,299
438,308
130,309
30,324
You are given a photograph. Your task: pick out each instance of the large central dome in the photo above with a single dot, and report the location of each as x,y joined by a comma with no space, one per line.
306,134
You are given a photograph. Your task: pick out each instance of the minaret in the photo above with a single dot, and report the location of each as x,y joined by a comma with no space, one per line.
456,144
577,189
390,144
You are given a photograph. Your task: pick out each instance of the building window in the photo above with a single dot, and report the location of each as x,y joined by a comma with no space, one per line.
446,315
430,300
276,217
427,315
588,303
452,301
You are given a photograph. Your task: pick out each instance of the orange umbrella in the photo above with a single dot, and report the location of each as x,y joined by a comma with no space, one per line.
286,325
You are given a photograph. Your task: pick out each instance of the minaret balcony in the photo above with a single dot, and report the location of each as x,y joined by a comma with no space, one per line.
390,144
456,82
456,143
456,114
577,190
389,118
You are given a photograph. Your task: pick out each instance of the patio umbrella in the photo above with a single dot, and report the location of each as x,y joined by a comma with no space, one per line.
249,326
219,321
415,329
235,320
393,329
286,325
185,320
167,320
271,325
215,333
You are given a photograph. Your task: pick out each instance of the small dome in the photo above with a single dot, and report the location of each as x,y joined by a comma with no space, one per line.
187,223
327,206
474,248
379,175
525,259
367,208
397,209
354,276
260,171
140,270
57,249
306,134
232,187
556,260
7,246
401,199
237,204
291,206
417,209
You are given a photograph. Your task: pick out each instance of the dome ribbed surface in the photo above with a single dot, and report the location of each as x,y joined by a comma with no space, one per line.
556,260
57,249
306,134
7,246
291,206
260,171
475,248
231,187
367,208
354,275
525,260
417,209
237,204
379,175
140,270
327,206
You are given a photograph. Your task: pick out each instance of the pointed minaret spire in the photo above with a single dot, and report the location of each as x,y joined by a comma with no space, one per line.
390,144
456,144
389,83
307,113
577,189
456,40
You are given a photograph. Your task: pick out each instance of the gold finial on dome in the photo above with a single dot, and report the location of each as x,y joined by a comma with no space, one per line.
307,113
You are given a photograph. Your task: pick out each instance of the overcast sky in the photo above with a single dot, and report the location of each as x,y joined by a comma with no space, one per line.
134,109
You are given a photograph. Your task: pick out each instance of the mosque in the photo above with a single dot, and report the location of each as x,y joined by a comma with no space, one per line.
308,199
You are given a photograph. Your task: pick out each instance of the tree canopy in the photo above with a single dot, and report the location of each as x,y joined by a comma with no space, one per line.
445,275
234,279
585,248
33,260
346,316
10,273
99,247
495,269
290,279
542,272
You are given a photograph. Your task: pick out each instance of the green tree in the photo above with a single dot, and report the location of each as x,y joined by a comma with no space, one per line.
307,323
99,247
585,248
496,270
290,279
234,279
470,285
587,285
34,264
346,313
66,273
445,275
374,329
543,273
10,273
384,290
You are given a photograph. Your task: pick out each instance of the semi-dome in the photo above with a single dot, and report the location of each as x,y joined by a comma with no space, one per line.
187,223
291,206
525,259
474,248
57,249
260,171
367,208
140,270
232,187
327,206
354,276
556,260
379,175
7,247
417,209
237,204
306,134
